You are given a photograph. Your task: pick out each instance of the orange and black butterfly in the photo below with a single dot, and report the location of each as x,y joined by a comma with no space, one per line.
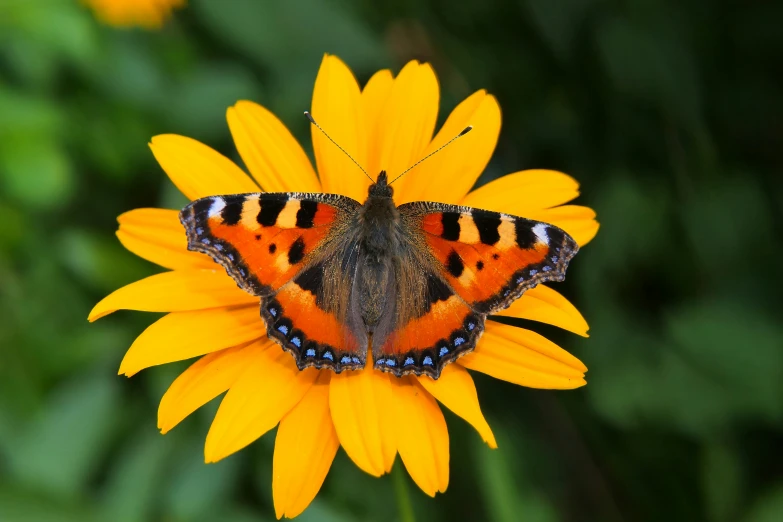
335,276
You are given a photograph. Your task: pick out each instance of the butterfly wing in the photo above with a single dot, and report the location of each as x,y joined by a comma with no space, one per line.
430,334
477,262
278,246
489,258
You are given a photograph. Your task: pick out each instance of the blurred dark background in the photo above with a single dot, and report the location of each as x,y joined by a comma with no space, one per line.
669,113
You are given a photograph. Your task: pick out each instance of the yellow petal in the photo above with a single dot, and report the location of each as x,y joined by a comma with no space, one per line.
406,121
270,387
200,383
198,170
422,436
523,192
547,306
182,335
149,14
359,401
305,447
175,291
455,390
452,172
337,107
156,235
578,221
374,97
270,151
524,357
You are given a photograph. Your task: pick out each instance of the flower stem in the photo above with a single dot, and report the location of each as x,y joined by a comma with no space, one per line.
404,503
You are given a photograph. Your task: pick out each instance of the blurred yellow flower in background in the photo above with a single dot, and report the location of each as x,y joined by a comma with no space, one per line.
149,14
388,124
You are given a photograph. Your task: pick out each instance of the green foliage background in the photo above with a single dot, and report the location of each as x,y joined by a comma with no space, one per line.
669,114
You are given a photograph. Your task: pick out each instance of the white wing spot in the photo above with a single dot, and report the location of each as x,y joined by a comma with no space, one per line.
540,232
217,207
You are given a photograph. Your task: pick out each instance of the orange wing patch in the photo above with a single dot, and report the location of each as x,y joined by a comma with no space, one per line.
298,319
448,330
488,258
262,240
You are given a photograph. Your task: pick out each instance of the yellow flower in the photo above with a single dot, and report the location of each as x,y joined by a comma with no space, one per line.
149,14
387,125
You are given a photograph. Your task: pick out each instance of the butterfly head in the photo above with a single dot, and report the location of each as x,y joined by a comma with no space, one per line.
381,187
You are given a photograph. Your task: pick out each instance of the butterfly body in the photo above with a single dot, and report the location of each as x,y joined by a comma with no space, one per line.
412,283
380,231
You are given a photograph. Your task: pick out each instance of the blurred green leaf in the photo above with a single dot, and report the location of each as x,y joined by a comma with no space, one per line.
722,481
23,506
768,507
200,491
643,64
726,220
100,261
36,171
200,101
129,71
735,350
12,232
63,27
22,114
132,488
506,499
558,21
320,511
282,34
60,450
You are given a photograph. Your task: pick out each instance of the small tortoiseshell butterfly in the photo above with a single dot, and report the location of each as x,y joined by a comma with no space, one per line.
414,281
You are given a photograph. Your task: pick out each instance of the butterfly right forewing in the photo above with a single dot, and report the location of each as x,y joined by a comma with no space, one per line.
490,258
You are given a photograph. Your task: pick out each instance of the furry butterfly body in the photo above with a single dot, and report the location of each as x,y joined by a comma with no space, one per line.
335,277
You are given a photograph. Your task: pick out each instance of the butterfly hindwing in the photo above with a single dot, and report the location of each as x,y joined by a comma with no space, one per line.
489,259
311,329
273,245
442,330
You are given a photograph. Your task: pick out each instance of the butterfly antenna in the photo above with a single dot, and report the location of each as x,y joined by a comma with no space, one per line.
310,117
461,134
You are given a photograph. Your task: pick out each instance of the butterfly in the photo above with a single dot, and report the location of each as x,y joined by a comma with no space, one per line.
414,283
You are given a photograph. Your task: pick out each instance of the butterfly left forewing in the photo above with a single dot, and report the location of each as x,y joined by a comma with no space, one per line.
263,239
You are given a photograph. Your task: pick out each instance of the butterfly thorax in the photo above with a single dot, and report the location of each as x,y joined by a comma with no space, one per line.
379,220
